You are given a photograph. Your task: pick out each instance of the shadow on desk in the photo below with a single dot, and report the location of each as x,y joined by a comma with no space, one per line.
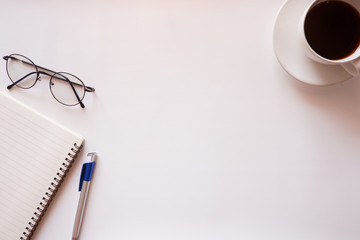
340,102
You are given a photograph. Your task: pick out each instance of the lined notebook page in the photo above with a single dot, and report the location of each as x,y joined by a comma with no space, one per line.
32,150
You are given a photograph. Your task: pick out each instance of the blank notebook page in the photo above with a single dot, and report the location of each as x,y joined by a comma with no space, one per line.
35,155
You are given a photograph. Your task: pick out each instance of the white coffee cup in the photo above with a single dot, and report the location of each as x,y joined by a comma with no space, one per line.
350,62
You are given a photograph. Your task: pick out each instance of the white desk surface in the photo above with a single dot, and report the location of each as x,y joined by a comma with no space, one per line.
200,132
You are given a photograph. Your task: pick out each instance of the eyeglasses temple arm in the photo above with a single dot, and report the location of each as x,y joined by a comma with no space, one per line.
46,69
89,89
66,79
72,87
16,82
77,96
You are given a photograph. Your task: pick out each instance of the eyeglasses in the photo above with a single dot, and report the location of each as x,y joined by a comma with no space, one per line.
66,88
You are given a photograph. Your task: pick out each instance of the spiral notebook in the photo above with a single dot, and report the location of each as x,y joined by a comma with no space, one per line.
35,155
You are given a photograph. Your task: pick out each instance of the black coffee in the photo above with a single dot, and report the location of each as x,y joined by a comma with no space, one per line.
332,29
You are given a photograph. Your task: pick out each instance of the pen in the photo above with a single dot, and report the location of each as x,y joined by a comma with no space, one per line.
84,185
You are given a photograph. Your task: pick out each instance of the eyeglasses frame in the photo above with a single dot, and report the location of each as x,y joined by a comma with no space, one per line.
37,67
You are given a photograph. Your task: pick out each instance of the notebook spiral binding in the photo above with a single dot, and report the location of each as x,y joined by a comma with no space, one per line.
50,193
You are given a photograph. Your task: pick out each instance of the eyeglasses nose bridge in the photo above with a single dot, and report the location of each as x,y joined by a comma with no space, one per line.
38,75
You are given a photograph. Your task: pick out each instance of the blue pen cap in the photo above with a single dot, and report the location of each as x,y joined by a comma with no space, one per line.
86,173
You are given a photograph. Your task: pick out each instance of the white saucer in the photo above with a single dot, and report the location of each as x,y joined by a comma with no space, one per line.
290,54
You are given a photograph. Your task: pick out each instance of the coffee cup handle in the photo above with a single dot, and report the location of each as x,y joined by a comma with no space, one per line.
352,67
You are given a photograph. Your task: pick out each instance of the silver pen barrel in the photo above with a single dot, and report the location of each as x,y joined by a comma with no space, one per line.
85,180
80,210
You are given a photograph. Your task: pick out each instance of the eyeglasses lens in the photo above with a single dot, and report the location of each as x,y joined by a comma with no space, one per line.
21,69
63,87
